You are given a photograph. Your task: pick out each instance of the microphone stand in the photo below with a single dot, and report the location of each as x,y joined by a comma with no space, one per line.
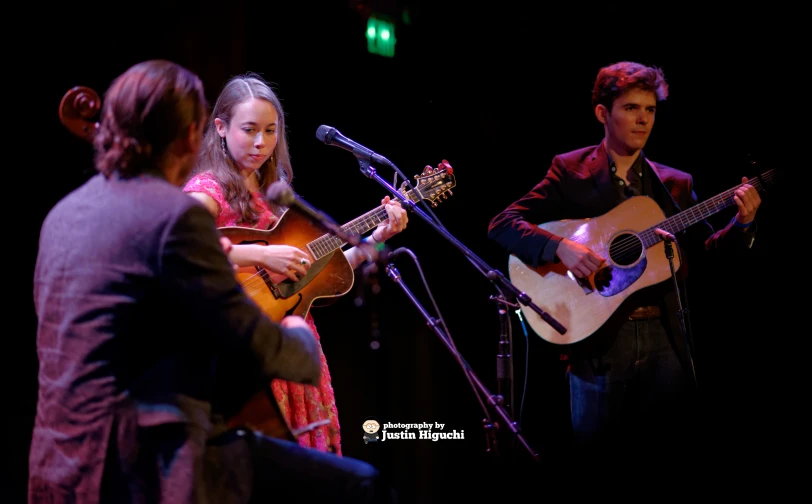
504,359
505,356
681,313
330,226
494,401
491,274
287,198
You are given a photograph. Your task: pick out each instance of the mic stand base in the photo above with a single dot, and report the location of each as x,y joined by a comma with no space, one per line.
495,401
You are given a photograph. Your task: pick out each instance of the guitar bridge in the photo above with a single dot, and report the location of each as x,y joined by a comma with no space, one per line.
273,288
583,282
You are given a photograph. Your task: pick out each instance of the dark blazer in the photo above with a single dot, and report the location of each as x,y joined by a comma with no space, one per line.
579,185
137,306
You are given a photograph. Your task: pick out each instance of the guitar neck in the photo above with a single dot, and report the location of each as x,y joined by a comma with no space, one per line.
701,211
327,243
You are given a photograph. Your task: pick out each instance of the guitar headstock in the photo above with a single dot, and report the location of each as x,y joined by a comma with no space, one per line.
432,185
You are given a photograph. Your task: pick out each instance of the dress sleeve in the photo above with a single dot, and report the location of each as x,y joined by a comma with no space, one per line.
205,183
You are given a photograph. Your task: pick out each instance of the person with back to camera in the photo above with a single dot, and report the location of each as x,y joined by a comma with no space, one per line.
137,307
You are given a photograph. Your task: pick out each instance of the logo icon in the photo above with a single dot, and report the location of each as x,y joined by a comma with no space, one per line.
372,430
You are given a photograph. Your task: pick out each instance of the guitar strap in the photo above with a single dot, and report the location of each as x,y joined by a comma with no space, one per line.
661,187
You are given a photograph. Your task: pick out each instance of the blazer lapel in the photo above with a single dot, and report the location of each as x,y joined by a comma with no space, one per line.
597,163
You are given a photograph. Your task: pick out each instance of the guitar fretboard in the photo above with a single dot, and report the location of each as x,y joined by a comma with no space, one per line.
700,211
327,243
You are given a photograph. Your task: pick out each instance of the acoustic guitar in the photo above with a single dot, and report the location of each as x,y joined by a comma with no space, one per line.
635,259
330,276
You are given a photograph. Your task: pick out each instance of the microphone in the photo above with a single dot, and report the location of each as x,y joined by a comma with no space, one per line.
332,136
381,255
281,194
398,251
665,235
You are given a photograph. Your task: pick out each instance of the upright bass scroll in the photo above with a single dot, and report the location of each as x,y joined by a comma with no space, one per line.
77,109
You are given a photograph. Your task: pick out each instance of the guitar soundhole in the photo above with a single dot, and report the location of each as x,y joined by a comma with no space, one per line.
625,249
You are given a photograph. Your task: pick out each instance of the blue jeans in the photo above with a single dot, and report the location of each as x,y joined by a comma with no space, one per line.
632,397
287,472
275,470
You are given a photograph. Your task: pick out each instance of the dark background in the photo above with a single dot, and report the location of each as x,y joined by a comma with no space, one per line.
496,90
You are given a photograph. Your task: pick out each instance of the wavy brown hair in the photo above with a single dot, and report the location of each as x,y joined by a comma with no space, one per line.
213,159
616,79
145,109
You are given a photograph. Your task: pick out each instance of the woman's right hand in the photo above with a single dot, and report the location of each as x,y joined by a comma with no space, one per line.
285,260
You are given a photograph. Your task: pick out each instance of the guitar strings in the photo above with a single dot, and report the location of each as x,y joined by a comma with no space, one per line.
628,246
620,249
256,282
327,243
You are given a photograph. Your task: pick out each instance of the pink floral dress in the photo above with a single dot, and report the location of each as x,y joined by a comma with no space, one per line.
300,404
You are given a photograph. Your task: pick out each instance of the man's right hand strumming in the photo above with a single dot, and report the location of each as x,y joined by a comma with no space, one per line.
294,321
299,359
578,258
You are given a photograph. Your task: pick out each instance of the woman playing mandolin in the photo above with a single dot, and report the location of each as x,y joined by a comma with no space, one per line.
244,151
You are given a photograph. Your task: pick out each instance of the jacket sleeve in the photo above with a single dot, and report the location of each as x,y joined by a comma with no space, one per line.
196,272
728,238
516,227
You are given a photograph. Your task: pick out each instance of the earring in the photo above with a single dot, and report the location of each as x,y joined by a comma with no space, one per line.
223,146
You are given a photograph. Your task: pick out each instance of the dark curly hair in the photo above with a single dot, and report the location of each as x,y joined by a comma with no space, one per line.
145,109
616,79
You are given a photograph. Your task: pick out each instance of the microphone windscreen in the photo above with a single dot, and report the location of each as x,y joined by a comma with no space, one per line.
321,133
280,193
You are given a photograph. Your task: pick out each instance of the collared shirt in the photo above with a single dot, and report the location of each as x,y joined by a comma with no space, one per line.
639,183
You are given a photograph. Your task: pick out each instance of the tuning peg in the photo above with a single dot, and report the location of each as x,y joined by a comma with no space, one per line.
450,193
433,204
445,164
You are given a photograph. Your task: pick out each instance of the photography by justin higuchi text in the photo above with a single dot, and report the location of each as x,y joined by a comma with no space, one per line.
375,432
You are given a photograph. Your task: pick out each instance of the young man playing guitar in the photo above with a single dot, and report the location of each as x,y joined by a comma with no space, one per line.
638,356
